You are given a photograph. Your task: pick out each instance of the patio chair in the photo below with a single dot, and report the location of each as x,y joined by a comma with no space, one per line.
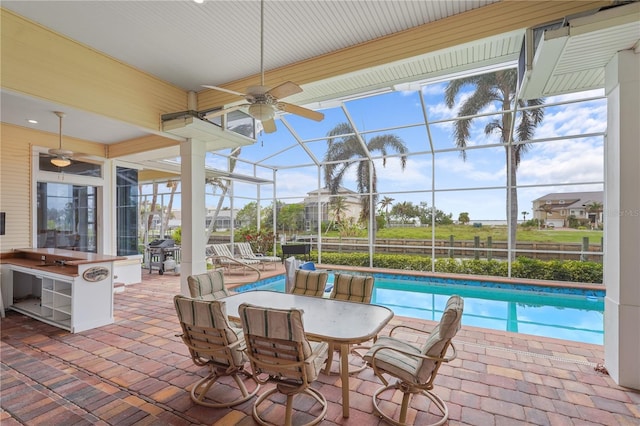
352,288
415,367
207,286
246,252
212,342
279,352
224,257
210,286
310,283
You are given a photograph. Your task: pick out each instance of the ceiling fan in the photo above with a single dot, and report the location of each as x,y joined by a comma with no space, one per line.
61,157
263,102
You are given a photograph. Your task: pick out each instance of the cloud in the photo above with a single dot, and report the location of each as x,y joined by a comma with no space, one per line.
564,162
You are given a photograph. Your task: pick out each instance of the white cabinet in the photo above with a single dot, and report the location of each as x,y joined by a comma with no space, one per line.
56,301
72,303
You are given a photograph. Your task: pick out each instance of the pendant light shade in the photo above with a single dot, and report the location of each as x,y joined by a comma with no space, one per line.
261,112
60,161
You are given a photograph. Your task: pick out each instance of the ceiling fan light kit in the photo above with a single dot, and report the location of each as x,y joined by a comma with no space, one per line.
261,112
60,156
264,102
60,161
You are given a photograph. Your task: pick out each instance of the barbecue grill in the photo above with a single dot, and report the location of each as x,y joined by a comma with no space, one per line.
160,253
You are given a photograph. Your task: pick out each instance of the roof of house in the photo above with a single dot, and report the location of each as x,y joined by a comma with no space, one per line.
348,195
325,191
572,198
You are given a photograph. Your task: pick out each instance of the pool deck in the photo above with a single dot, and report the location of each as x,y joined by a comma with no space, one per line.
137,372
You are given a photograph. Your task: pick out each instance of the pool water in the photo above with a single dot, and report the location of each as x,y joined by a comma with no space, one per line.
574,316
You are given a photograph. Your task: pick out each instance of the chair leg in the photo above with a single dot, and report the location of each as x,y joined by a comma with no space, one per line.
289,408
406,400
202,387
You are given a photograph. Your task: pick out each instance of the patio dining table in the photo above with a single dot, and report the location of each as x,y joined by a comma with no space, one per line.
334,321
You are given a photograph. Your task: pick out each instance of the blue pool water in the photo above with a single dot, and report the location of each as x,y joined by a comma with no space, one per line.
569,314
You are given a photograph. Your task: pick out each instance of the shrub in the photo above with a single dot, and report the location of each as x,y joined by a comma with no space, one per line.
261,241
176,235
522,267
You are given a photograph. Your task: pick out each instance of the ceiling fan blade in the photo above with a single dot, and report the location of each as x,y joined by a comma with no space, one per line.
222,89
298,110
285,89
269,126
223,111
62,153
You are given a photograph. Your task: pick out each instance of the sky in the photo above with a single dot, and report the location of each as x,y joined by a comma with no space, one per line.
565,160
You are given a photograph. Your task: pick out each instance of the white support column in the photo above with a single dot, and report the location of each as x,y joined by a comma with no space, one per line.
108,223
622,220
192,155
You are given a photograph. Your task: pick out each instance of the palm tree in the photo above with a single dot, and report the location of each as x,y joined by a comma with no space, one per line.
384,205
339,208
346,148
173,185
224,185
524,215
596,208
500,88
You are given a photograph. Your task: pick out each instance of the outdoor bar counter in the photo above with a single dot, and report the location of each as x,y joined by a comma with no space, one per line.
69,289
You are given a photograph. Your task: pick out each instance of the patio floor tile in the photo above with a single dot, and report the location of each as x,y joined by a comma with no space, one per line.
137,372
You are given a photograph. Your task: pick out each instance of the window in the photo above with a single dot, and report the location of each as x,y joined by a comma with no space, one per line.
127,211
67,216
75,168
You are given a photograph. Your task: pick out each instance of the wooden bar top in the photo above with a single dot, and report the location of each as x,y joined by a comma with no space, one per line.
70,259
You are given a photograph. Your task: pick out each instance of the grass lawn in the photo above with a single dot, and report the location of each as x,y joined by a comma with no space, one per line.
468,232
497,233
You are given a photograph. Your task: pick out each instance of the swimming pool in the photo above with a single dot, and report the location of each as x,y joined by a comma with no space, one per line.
568,314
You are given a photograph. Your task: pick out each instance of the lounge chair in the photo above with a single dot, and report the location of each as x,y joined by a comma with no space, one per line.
415,367
224,257
246,252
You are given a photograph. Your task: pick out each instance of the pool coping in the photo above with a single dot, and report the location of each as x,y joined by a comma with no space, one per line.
489,278
598,290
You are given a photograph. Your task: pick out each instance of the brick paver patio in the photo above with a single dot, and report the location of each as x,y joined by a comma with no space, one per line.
137,372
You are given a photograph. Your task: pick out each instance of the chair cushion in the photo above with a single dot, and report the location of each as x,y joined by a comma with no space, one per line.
310,283
207,286
417,370
213,315
399,365
283,324
355,288
320,350
441,335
